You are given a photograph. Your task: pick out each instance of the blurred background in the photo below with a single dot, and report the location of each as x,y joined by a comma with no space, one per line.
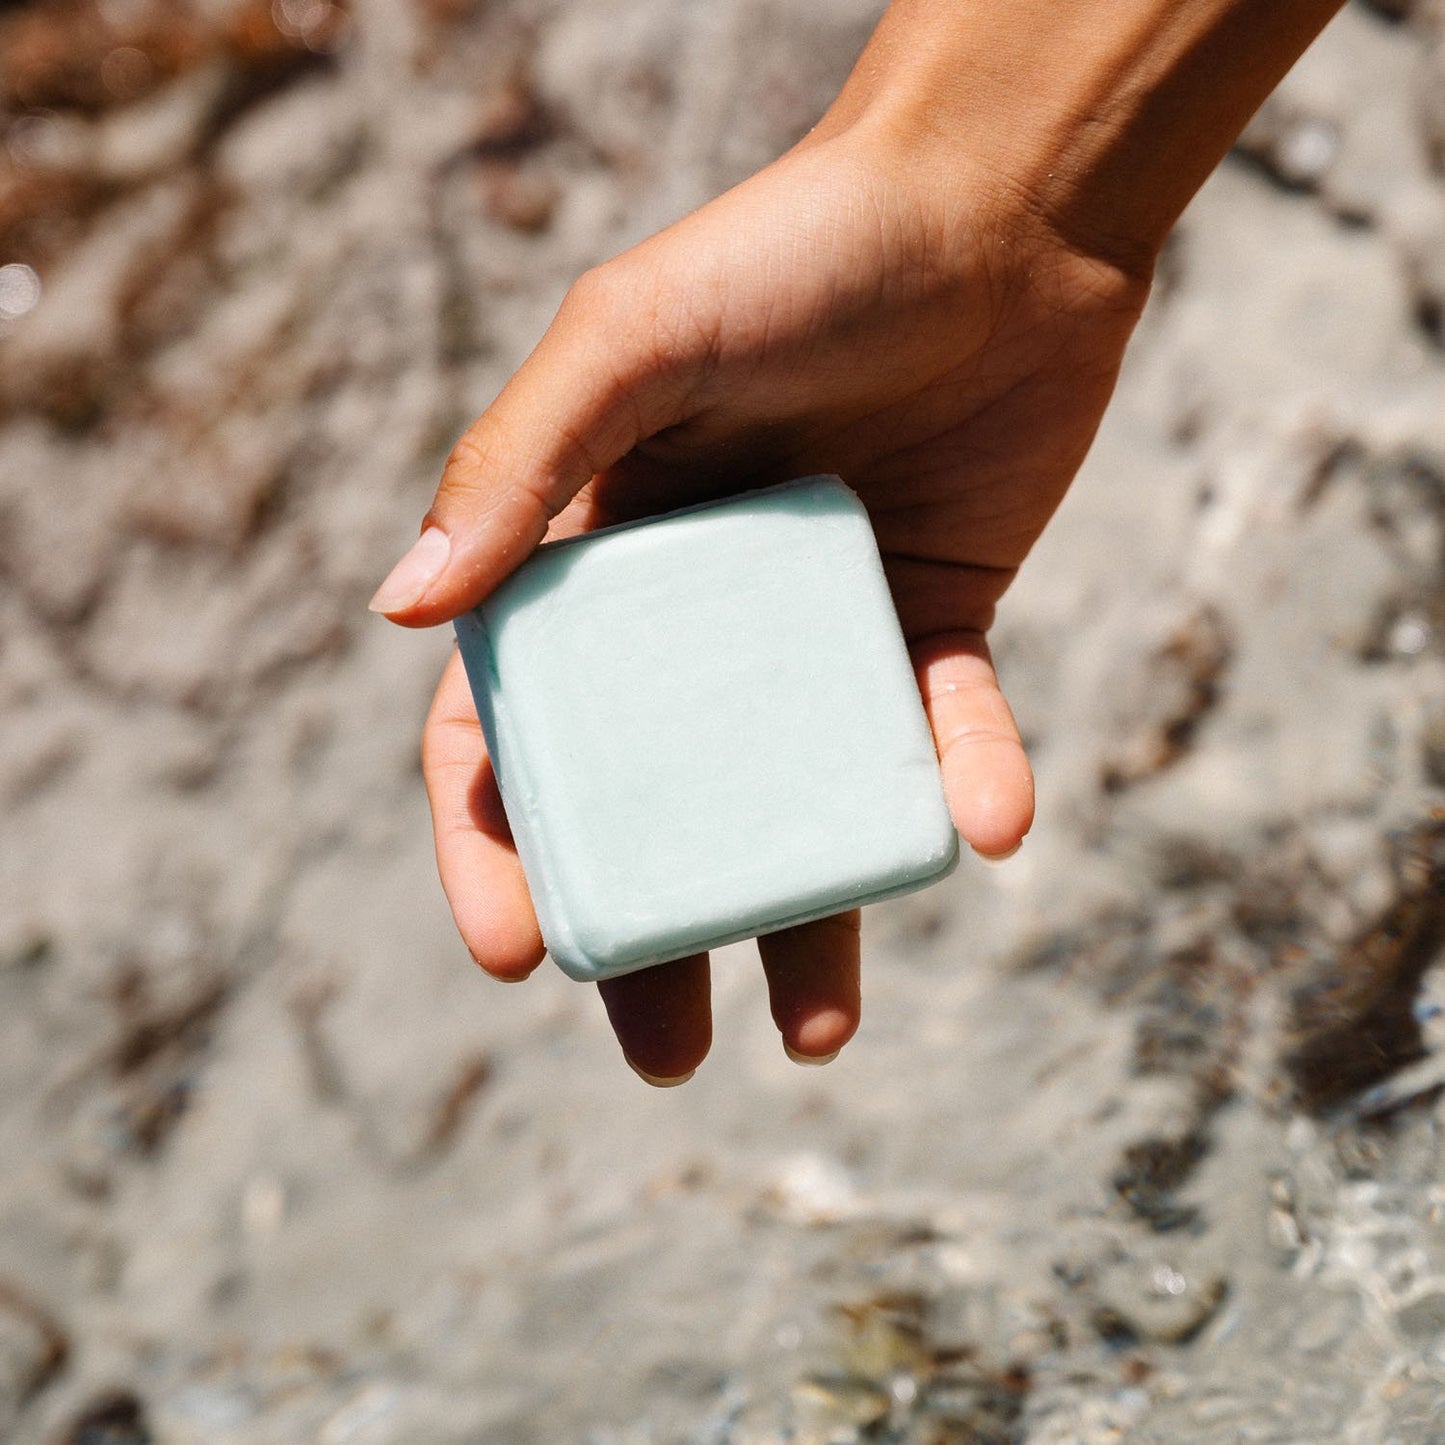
1140,1137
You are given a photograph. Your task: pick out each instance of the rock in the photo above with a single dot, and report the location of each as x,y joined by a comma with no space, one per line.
92,57
1433,745
115,1418
979,1404
1421,1314
57,499
36,753
520,199
162,132
1294,149
830,1406
1150,1299
812,1189
1179,686
28,947
308,139
33,1349
65,360
884,1337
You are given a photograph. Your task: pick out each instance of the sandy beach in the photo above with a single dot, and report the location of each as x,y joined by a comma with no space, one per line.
1140,1139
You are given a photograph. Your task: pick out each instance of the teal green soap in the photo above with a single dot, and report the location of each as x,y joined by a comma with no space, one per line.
706,726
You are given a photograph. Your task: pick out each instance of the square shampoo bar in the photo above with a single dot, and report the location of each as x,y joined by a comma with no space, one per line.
706,726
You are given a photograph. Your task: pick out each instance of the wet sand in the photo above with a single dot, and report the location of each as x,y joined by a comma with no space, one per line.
1139,1139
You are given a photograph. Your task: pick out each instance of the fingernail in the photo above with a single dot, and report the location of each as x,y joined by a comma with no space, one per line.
999,857
408,581
815,1061
657,1080
501,977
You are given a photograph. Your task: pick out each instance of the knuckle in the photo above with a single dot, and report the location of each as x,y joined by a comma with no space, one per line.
468,484
465,462
971,735
595,292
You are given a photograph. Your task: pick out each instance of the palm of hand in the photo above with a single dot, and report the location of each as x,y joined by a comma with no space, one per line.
822,317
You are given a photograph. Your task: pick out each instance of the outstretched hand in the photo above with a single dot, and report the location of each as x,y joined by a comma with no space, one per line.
863,306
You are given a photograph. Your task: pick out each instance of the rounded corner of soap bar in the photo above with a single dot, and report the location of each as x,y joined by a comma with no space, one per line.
578,968
944,858
826,487
588,950
937,856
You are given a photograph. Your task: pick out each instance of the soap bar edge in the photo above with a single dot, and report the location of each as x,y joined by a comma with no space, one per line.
475,644
586,968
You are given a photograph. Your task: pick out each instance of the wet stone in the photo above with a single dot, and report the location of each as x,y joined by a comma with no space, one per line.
1433,747
977,1405
1153,1300
834,1407
885,1336
32,1350
1421,1315
116,1418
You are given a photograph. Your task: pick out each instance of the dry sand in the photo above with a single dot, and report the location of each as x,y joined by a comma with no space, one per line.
1140,1137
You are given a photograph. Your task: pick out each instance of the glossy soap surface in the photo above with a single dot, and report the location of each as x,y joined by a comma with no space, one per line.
706,726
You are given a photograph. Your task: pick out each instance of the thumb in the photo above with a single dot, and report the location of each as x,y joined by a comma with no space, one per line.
591,390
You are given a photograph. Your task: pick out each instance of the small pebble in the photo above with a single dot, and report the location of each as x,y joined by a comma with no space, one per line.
19,291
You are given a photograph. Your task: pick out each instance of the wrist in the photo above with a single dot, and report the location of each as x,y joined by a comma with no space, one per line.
1096,119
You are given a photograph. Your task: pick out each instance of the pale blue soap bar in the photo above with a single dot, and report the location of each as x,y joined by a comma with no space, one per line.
706,726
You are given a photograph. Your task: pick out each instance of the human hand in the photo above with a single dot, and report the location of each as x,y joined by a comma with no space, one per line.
829,315
912,298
